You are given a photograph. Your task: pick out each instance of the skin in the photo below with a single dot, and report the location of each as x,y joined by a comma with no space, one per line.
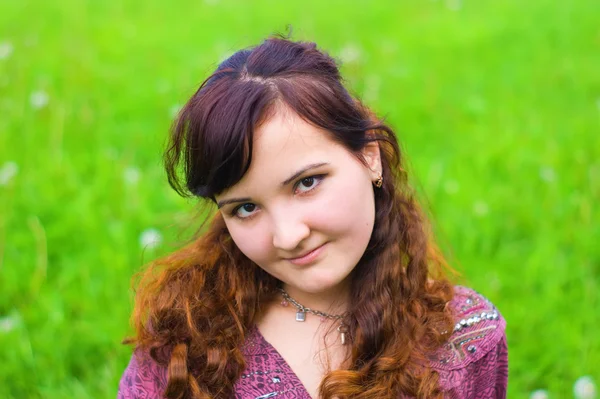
330,206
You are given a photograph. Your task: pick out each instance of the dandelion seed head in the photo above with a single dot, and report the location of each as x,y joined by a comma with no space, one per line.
6,49
547,174
389,47
480,208
38,99
150,238
454,5
174,110
9,323
539,394
372,86
350,53
451,187
111,153
31,41
7,172
584,388
476,104
131,175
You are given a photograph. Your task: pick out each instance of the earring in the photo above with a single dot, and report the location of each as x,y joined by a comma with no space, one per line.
379,182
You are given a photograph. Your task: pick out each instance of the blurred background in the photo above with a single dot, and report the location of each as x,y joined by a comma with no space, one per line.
497,105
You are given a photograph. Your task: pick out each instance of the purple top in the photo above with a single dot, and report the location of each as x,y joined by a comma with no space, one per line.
472,364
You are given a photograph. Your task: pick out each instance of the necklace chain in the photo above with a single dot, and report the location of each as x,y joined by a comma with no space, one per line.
304,309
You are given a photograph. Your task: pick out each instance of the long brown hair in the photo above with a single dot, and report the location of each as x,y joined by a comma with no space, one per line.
195,307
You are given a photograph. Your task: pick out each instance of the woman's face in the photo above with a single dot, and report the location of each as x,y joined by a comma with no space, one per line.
304,211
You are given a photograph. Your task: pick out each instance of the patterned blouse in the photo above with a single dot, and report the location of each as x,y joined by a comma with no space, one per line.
472,364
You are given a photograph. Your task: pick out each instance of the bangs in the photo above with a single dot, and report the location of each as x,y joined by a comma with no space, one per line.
219,125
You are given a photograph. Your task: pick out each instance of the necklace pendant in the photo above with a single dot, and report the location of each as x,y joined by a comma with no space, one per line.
342,329
301,315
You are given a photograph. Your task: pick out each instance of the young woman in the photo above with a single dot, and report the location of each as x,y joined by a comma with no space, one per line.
317,277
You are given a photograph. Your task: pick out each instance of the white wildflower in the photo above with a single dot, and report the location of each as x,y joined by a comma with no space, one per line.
493,281
38,99
7,172
539,394
372,86
451,187
111,153
389,47
480,208
6,49
454,5
174,110
131,175
584,388
150,238
31,41
547,174
350,53
400,71
9,323
476,104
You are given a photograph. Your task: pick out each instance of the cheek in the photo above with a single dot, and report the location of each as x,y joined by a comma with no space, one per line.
253,241
348,208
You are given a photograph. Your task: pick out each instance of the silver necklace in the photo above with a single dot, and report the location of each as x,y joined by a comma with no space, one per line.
302,310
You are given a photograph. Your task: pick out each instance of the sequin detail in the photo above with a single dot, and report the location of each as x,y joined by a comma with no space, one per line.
475,319
261,373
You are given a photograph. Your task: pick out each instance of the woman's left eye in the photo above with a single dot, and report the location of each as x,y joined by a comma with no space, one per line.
308,183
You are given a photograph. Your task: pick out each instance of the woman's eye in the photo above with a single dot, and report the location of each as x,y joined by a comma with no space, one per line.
244,211
308,183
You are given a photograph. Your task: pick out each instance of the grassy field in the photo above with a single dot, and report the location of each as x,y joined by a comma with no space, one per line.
497,104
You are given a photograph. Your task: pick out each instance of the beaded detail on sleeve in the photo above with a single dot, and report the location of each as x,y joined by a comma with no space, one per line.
479,328
474,361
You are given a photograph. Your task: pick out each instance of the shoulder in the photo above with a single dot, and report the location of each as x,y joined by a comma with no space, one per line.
143,378
475,356
478,329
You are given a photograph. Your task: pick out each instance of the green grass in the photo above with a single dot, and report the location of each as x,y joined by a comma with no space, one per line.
497,104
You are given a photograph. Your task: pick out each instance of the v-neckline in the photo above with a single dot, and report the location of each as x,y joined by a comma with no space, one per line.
284,364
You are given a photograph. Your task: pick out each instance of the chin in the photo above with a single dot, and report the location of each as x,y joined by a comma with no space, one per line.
316,283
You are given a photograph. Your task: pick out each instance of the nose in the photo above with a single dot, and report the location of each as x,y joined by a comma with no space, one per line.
288,231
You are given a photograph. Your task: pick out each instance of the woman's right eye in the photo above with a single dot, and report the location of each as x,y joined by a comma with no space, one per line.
244,211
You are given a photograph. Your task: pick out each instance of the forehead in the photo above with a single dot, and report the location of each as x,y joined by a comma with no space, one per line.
282,145
287,134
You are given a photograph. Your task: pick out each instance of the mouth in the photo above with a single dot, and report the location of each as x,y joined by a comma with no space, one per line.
308,257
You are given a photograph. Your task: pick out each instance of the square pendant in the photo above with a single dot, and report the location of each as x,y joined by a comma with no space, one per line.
300,316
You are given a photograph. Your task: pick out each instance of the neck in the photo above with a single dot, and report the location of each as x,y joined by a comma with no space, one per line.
333,301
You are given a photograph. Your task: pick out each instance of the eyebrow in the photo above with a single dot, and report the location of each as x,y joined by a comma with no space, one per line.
287,181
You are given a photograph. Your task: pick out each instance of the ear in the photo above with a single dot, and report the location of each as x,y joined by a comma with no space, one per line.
372,156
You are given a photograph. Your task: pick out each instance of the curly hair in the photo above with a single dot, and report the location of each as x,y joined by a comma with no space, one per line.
195,307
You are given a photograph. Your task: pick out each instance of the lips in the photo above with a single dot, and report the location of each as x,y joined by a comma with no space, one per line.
308,257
